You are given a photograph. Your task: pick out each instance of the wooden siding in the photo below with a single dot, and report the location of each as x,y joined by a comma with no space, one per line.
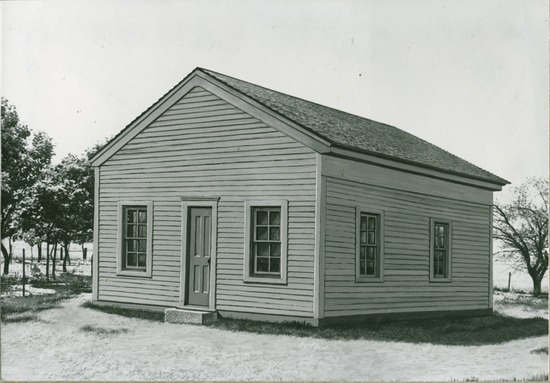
203,145
407,208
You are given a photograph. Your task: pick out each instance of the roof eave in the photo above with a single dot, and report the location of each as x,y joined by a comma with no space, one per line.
494,184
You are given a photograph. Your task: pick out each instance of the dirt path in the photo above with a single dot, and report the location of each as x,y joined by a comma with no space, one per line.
56,349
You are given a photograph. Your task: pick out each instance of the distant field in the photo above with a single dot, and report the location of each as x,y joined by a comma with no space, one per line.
75,250
519,280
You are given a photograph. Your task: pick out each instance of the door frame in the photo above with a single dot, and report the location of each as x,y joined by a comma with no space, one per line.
206,202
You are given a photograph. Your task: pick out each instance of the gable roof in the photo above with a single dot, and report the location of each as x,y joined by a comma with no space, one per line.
337,128
356,133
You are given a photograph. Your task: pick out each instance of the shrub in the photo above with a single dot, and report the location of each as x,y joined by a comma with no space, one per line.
8,281
77,283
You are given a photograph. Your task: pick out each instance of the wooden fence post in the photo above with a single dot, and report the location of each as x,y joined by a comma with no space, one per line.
509,278
23,272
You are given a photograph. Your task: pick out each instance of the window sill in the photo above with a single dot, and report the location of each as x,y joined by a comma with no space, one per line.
369,279
133,273
265,280
440,280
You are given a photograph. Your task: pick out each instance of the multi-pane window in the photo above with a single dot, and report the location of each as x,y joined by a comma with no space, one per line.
266,243
440,249
369,245
135,238
441,235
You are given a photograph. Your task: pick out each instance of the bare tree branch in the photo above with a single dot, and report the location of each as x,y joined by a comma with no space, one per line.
523,227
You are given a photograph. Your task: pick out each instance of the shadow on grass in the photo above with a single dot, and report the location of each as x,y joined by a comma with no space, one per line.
476,331
157,316
14,306
539,351
20,318
101,331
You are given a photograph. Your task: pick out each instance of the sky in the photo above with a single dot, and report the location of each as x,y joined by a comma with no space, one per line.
468,76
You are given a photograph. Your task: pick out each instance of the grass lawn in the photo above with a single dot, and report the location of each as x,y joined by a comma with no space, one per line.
24,309
79,340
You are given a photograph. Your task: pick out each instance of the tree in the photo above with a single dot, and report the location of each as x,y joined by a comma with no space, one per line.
24,157
522,226
76,217
41,210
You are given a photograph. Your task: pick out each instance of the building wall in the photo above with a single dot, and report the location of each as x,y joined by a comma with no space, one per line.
205,146
408,202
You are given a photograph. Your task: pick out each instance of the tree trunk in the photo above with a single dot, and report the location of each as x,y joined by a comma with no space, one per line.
47,259
66,257
7,259
39,252
536,286
54,259
67,254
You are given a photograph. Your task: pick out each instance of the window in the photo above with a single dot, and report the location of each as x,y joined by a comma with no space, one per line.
135,239
369,246
440,250
265,241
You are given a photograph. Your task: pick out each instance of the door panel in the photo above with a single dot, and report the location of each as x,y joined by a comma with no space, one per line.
198,255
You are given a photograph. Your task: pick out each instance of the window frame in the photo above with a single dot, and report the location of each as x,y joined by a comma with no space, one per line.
379,274
448,260
248,274
121,268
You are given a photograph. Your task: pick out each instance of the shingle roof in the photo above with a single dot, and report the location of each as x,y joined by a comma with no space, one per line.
356,133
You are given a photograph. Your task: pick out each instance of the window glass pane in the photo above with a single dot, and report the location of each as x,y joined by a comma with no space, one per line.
141,259
131,245
370,268
275,265
274,218
363,253
363,237
142,216
261,233
131,259
261,217
363,223
371,238
130,231
362,268
131,216
274,234
142,245
262,249
371,253
142,231
262,264
372,223
275,249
